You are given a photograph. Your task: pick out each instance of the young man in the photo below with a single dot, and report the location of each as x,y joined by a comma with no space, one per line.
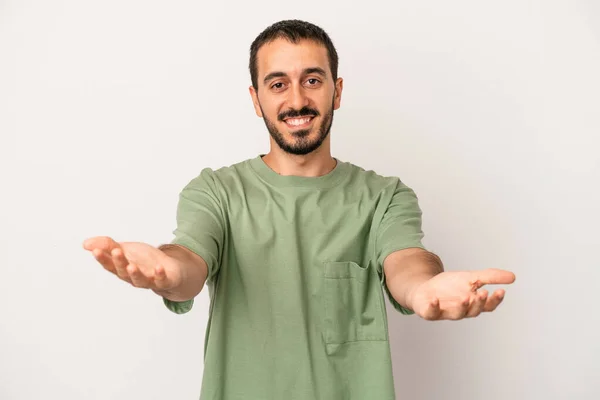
295,247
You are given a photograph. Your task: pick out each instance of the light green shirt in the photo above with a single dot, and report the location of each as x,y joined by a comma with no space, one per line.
295,279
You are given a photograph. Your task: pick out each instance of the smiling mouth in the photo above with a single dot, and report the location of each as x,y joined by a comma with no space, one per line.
301,122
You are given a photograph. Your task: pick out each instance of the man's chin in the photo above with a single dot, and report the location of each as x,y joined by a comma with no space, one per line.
300,133
302,146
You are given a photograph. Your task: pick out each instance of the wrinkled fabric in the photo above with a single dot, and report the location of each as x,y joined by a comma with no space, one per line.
295,279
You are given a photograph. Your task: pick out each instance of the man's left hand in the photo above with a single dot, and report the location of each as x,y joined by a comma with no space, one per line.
456,295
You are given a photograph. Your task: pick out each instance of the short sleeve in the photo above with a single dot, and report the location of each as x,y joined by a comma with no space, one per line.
200,227
400,228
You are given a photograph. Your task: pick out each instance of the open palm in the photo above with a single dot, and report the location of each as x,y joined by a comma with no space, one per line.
456,294
140,264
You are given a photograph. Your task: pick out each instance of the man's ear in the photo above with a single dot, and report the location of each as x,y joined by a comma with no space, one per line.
255,102
337,97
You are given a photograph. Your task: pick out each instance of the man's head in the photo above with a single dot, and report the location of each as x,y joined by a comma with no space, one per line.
295,88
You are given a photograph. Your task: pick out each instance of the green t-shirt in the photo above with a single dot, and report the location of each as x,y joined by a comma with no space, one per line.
295,279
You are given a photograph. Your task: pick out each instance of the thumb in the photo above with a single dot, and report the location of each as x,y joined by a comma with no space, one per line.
491,276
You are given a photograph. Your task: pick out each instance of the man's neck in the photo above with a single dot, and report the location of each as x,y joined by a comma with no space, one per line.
317,163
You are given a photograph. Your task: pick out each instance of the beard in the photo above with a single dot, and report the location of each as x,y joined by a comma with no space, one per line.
301,144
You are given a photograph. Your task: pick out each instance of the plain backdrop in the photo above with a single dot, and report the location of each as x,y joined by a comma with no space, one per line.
490,111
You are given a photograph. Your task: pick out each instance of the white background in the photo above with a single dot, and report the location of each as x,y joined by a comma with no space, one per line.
490,111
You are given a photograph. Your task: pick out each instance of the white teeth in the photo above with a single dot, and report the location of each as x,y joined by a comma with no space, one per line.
297,121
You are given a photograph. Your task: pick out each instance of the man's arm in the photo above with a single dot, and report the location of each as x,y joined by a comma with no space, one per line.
194,272
416,279
406,269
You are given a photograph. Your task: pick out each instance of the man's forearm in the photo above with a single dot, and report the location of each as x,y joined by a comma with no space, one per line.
193,273
403,274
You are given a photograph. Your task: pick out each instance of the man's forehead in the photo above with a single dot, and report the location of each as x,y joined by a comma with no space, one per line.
285,56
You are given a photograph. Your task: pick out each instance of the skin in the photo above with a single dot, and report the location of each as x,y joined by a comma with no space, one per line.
416,279
170,271
296,80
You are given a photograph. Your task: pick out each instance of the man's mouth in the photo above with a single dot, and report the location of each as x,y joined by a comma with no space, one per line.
300,122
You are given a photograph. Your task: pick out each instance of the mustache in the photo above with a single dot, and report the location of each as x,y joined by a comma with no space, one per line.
303,112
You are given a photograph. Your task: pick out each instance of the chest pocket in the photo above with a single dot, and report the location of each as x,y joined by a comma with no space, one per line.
353,310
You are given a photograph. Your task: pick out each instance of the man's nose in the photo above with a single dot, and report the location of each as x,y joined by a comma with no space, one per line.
298,97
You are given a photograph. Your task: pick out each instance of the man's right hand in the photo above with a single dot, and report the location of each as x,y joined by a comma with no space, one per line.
140,264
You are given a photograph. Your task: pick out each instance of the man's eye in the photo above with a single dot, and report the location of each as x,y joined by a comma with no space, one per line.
277,85
313,81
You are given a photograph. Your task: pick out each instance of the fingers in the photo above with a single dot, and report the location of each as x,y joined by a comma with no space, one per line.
101,247
117,263
129,271
452,309
459,309
104,259
118,257
433,311
110,254
160,278
494,300
120,263
483,303
137,278
157,281
478,304
470,305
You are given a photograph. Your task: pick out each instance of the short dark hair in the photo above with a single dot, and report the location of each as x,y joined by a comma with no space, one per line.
293,30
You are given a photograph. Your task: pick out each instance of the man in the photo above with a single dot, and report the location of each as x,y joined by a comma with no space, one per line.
295,247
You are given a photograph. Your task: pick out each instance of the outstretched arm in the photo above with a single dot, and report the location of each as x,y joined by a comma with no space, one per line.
171,271
416,279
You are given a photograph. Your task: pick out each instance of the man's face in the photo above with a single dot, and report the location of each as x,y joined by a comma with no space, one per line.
296,94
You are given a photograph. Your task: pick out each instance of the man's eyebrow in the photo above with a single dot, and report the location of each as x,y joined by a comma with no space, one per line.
272,75
315,70
279,74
